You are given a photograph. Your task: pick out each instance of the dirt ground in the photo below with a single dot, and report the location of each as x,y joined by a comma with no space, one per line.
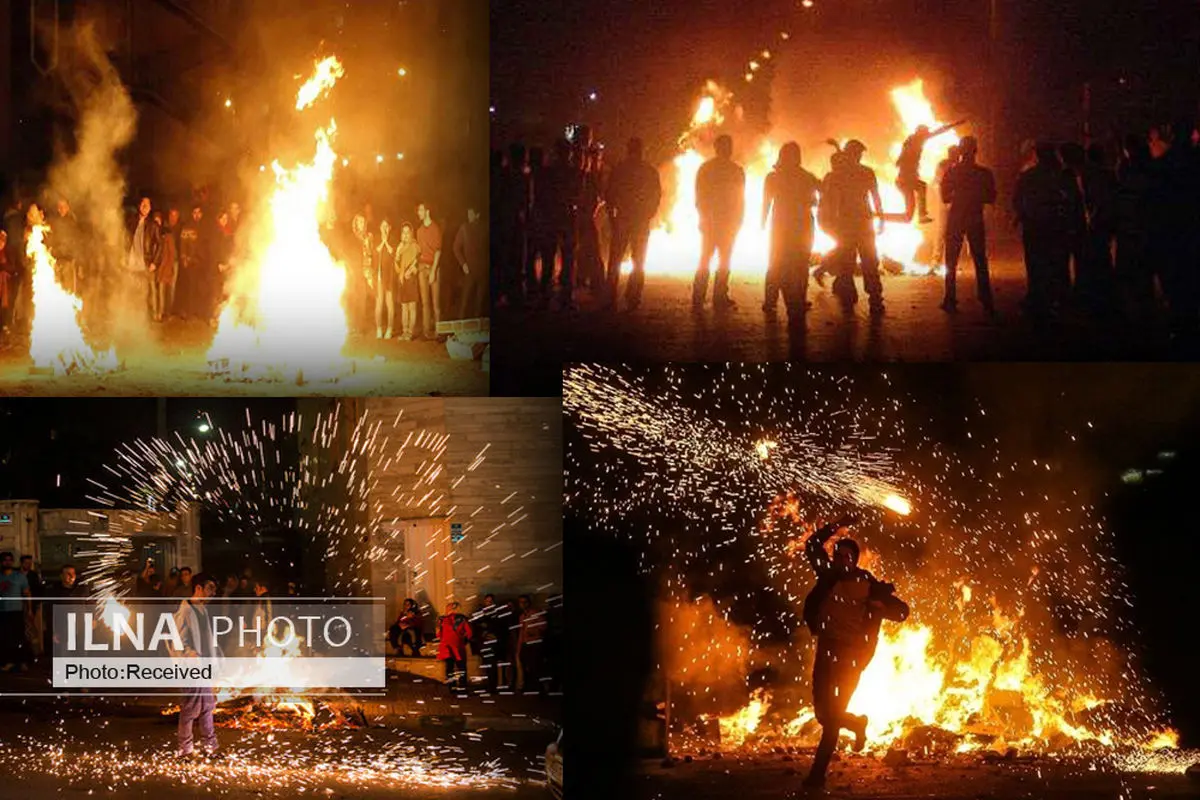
776,776
172,362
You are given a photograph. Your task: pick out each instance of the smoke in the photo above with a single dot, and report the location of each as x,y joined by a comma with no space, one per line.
87,174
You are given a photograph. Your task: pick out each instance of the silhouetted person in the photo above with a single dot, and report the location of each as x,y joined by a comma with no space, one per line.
720,201
556,190
590,266
1134,273
938,256
1040,202
966,189
850,202
1072,155
511,223
789,195
844,611
908,165
634,193
1100,203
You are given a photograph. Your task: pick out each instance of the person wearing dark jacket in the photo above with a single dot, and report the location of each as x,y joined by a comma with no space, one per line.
966,189
193,281
492,633
632,200
789,195
1042,204
844,611
145,253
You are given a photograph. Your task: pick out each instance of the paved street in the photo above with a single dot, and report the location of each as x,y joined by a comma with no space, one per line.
772,777
532,344
75,753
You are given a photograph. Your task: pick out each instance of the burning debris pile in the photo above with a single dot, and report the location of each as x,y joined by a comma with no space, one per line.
675,244
308,712
1016,644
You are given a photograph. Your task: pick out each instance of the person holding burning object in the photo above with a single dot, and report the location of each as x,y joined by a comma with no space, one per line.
454,631
721,202
195,634
844,611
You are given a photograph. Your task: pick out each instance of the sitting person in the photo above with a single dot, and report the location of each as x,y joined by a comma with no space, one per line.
406,630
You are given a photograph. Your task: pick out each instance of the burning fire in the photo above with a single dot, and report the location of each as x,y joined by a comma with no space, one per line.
285,311
56,340
764,447
898,504
675,244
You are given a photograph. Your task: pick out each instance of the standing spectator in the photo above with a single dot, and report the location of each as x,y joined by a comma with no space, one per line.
529,644
487,625
66,586
356,288
406,630
383,281
15,609
14,228
1042,205
408,255
168,271
33,624
222,256
429,237
191,279
64,245
171,584
454,631
720,202
195,634
470,248
184,589
145,252
145,579
632,200
515,192
966,189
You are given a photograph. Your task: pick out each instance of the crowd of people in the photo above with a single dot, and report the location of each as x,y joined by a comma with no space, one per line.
1105,229
27,621
178,266
514,642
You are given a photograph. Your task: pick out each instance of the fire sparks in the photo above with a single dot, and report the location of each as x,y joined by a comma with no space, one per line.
675,244
285,313
764,447
994,656
56,339
898,504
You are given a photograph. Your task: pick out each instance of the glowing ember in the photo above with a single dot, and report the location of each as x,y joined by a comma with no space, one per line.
285,312
898,504
56,339
764,448
675,244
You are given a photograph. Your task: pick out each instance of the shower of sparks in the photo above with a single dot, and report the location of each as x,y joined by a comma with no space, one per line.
252,480
264,762
1017,600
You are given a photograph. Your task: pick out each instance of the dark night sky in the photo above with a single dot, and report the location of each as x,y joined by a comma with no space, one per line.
49,447
649,59
1137,412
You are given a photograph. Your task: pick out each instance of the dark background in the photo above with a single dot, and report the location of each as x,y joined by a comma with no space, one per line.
647,61
1137,412
50,447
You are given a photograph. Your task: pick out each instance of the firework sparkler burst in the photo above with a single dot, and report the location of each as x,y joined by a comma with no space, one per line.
1018,622
56,338
285,313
